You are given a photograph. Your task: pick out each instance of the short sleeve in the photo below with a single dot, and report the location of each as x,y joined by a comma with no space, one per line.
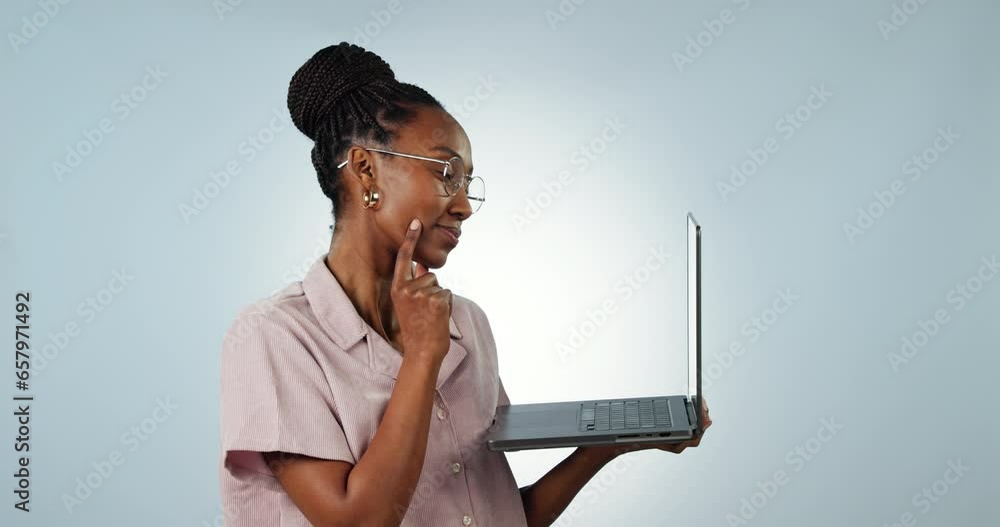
274,396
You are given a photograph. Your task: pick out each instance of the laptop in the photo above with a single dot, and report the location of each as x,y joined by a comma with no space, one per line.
660,418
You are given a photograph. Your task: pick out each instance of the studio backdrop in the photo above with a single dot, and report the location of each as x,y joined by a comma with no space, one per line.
840,156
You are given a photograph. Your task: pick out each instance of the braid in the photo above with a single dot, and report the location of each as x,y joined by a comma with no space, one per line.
345,94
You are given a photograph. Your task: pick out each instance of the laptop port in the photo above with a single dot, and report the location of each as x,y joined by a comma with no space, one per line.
665,434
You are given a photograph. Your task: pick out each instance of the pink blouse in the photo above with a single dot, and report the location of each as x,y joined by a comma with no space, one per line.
302,372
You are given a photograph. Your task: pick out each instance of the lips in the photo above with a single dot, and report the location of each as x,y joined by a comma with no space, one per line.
451,233
453,230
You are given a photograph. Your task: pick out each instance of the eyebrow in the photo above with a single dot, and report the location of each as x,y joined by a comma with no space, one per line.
445,149
449,151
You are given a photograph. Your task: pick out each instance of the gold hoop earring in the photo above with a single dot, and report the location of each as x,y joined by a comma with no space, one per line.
370,198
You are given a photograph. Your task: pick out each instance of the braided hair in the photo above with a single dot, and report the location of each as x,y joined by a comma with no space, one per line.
345,94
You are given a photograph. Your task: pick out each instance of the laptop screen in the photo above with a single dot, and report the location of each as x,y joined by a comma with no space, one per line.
694,308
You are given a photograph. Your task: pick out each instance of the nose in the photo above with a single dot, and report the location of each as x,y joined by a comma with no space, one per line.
460,204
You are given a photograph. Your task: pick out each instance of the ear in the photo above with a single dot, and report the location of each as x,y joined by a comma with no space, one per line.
360,163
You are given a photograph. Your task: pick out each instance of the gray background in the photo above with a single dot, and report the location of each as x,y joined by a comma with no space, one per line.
554,84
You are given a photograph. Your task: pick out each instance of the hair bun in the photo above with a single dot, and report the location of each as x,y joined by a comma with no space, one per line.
327,78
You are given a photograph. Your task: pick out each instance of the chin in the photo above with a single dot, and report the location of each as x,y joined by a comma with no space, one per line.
434,259
439,261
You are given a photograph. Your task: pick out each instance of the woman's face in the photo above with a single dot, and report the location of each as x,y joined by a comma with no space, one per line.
413,188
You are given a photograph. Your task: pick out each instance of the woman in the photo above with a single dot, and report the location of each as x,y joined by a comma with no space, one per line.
362,394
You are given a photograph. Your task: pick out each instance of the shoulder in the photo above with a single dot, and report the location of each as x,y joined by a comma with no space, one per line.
466,306
275,317
269,343
473,324
468,313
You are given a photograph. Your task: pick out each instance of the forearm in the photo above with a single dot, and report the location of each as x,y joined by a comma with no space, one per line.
548,497
382,483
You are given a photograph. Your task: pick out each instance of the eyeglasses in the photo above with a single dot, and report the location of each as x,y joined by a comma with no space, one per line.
454,177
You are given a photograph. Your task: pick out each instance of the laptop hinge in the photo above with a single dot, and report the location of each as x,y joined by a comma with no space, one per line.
692,415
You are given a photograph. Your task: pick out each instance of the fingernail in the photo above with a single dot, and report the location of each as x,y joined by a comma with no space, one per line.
414,224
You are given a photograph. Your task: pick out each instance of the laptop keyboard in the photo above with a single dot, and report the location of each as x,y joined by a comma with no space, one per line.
624,415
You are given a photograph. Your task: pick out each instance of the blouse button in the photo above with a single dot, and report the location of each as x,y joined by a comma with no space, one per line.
466,520
440,413
456,467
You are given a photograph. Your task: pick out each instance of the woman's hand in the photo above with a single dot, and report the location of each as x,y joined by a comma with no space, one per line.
612,451
675,447
421,305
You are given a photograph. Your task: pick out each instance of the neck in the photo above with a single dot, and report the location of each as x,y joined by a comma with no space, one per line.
367,281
